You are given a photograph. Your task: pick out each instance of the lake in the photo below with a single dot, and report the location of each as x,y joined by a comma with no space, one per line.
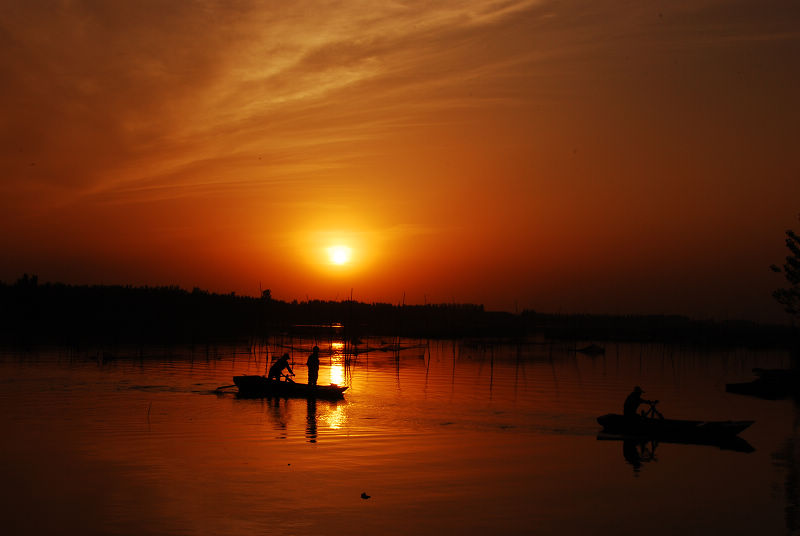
468,438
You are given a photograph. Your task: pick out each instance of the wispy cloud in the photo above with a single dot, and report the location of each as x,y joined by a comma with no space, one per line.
105,97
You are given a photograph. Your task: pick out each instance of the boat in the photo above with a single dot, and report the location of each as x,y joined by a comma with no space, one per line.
672,430
771,384
592,349
261,387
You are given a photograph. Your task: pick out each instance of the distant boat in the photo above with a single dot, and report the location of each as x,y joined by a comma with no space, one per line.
592,349
396,347
771,384
672,430
261,387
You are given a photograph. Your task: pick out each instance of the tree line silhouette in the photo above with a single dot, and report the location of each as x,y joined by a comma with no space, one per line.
33,313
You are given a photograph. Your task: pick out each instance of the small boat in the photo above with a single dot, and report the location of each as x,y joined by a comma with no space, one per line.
771,384
261,387
592,349
674,430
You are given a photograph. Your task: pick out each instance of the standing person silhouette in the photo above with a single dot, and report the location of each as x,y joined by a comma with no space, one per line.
277,368
313,366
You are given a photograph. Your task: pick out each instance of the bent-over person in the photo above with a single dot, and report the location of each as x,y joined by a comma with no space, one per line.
277,367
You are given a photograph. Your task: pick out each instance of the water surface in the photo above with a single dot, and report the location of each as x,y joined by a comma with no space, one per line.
444,436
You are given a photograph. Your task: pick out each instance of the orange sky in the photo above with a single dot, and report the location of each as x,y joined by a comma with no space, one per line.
620,157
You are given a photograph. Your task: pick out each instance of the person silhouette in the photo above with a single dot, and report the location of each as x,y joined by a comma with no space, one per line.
633,401
277,367
313,366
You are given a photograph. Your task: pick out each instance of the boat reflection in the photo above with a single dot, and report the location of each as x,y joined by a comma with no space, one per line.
277,410
320,415
282,413
331,416
638,450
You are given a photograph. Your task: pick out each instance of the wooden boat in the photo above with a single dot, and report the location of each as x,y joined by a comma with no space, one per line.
674,430
261,387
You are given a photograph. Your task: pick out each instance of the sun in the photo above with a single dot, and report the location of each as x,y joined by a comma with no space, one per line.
339,255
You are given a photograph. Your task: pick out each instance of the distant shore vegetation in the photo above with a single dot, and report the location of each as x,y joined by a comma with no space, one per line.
34,313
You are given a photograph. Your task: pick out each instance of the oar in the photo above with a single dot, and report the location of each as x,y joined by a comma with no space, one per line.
221,387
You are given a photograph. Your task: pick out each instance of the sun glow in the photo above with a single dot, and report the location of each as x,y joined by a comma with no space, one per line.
339,255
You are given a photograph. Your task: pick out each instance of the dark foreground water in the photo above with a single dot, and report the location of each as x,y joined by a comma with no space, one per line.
450,439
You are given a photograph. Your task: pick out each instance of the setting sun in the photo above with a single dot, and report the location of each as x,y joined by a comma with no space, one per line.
339,255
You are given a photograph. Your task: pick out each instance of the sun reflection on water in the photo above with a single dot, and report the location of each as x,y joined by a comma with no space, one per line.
337,370
337,363
335,418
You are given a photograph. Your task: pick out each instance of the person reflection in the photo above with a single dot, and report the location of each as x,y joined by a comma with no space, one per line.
277,409
638,452
311,420
313,366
